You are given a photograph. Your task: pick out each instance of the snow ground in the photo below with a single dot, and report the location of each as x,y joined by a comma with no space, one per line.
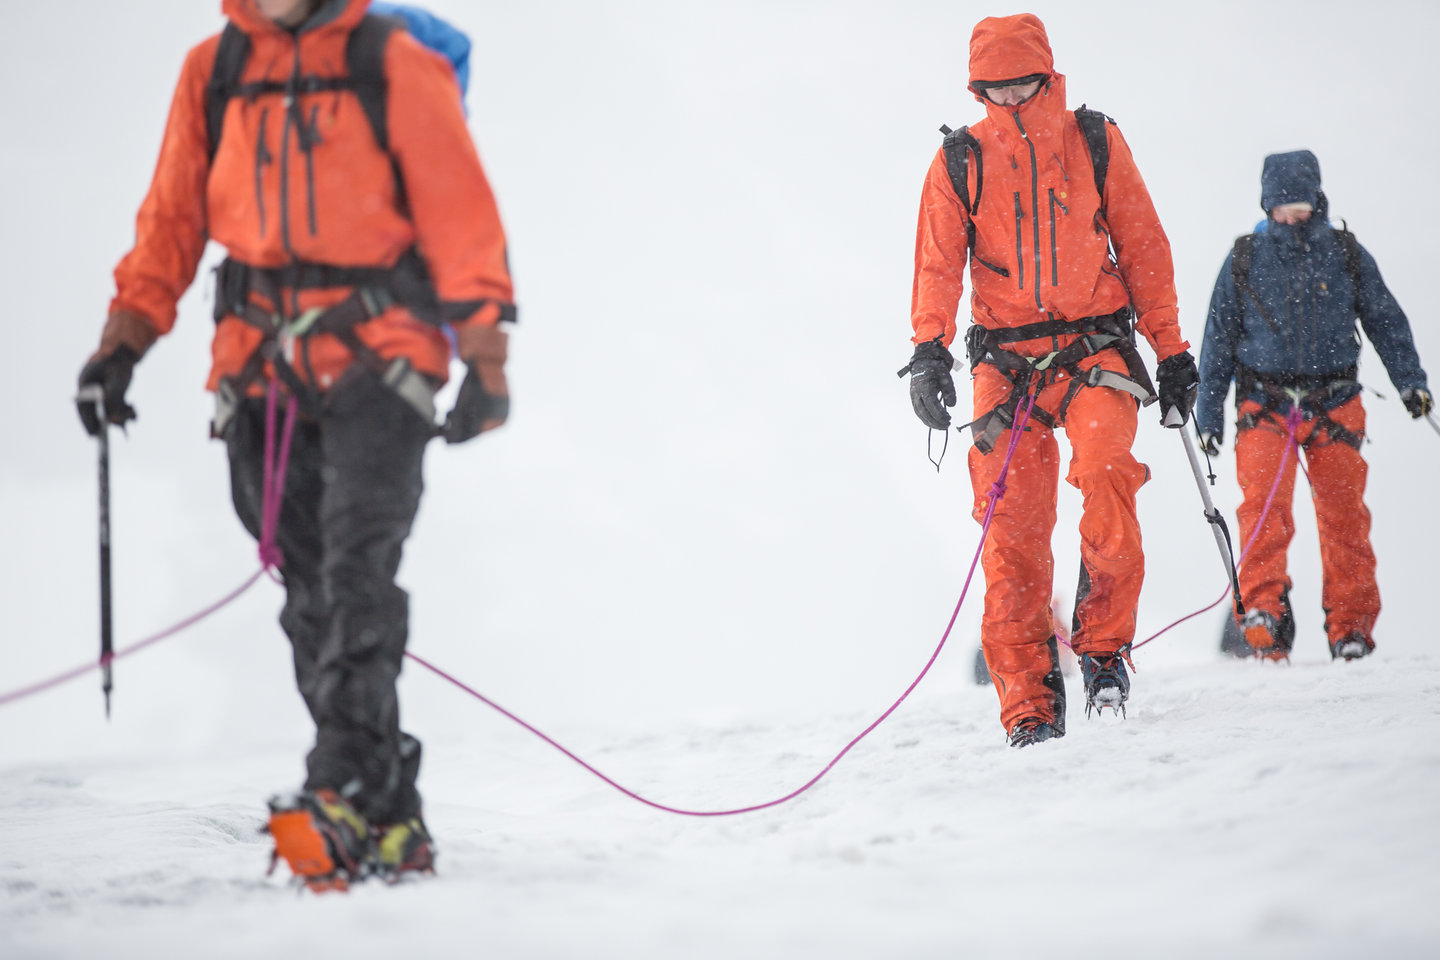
707,549
1241,810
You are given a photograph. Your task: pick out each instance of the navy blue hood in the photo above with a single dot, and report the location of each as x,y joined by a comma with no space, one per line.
1290,178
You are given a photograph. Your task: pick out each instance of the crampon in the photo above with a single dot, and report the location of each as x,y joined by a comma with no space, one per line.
1107,684
321,837
404,850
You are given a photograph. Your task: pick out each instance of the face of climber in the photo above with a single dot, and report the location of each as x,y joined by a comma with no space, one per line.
1009,96
1291,213
287,13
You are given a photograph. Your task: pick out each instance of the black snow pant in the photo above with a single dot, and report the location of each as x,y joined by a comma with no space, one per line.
351,493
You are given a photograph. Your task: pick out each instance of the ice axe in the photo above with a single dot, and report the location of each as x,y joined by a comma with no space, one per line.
1175,420
94,393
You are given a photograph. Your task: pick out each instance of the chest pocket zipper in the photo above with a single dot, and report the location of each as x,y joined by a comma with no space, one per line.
263,158
1003,271
1019,237
1054,246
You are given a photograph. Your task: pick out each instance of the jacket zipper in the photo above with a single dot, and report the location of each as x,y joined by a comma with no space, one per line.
291,94
1054,251
1034,204
285,187
1302,288
1019,237
262,158
292,107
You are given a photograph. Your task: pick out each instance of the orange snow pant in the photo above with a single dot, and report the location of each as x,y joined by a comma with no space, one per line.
1016,630
1350,595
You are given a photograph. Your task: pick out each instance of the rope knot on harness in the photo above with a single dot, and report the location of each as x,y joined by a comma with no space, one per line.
271,556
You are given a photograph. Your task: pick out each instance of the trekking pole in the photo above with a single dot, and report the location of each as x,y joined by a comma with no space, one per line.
96,395
1175,420
1430,418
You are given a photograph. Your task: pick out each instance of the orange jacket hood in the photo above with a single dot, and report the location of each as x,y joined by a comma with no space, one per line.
1003,48
344,14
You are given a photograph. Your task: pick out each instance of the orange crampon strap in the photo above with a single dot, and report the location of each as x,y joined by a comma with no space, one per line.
309,833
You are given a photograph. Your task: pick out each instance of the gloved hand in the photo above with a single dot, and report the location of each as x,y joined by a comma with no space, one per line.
931,384
1178,384
1210,444
125,339
484,399
1418,401
112,374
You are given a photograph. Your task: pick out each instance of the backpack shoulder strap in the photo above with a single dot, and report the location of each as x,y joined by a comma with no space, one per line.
1240,257
230,59
1092,126
959,144
365,62
1351,247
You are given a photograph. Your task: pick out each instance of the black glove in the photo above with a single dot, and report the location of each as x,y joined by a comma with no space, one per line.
931,384
112,374
1210,443
1179,382
475,410
1418,401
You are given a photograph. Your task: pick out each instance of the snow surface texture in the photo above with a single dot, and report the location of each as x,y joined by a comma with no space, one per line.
707,550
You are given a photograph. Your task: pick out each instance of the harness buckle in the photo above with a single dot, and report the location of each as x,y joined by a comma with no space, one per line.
1043,363
287,333
375,300
301,325
412,387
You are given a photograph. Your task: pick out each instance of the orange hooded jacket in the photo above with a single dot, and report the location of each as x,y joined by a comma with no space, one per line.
1040,242
271,204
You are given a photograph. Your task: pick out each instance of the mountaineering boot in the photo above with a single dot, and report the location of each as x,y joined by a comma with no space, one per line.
325,842
1268,636
404,847
1031,730
1263,635
1106,682
1353,646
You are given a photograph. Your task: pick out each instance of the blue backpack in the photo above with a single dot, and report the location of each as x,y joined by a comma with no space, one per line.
435,33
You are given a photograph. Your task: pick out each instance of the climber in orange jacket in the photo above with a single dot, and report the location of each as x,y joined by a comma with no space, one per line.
1067,259
327,151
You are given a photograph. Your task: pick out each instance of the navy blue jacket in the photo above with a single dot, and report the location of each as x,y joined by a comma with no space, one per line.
1298,272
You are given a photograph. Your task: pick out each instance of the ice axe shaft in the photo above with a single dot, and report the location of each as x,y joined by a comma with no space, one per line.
1176,421
96,395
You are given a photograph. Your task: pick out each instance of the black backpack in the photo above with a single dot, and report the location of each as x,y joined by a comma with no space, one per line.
960,144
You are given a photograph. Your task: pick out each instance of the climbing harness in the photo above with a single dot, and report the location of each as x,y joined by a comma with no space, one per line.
1092,335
